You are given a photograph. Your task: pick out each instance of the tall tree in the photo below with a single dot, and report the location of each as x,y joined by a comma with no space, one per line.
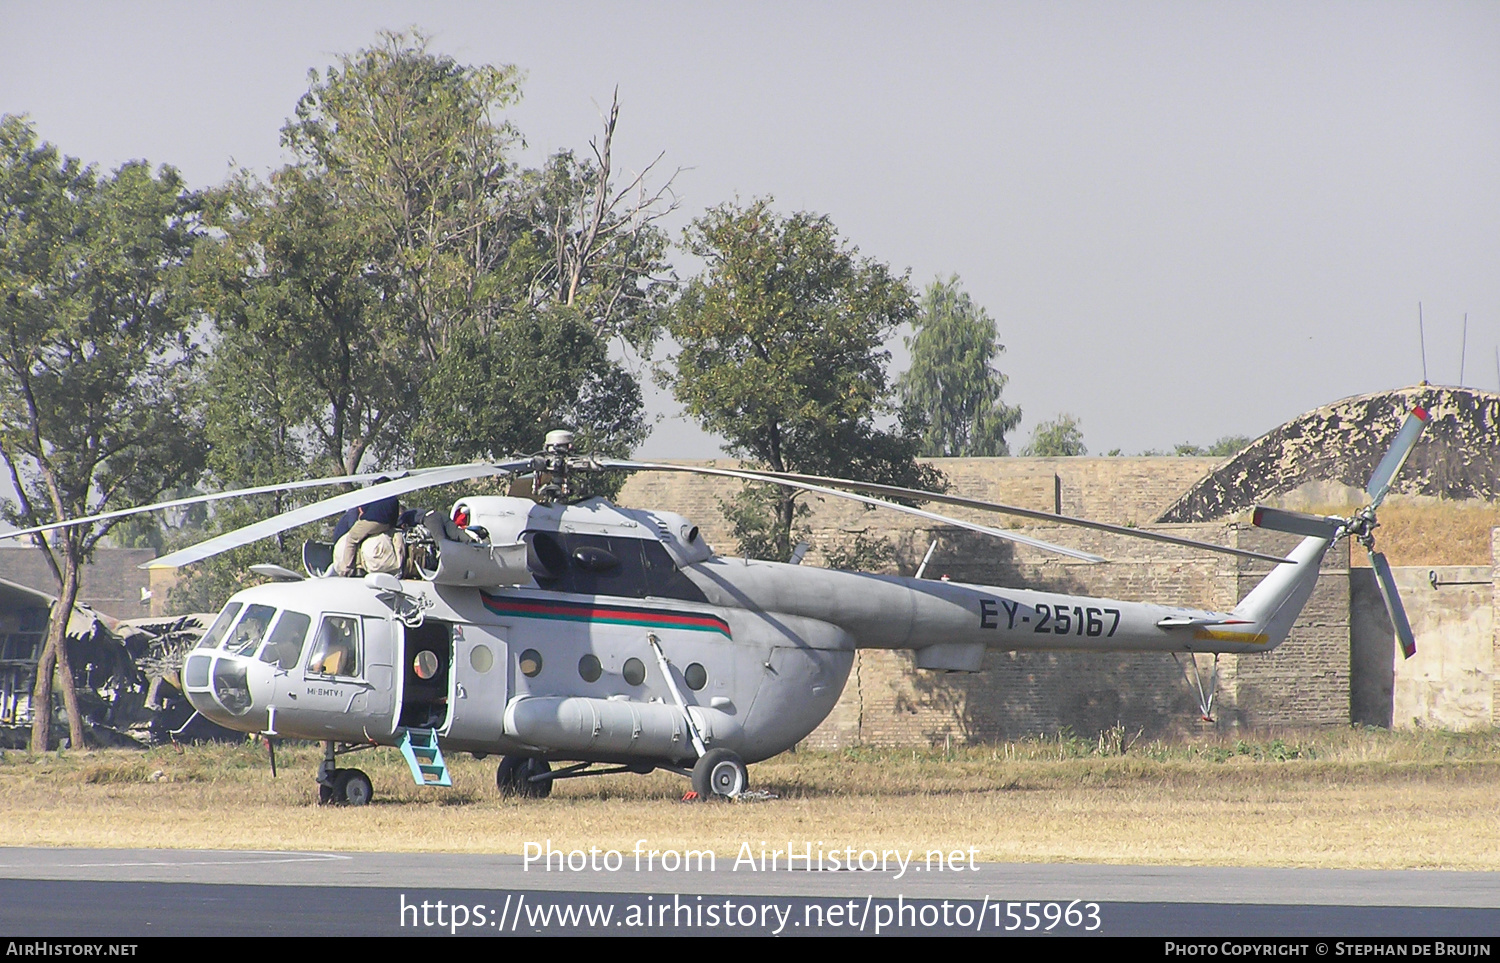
312,371
410,142
952,380
405,291
781,353
405,256
96,352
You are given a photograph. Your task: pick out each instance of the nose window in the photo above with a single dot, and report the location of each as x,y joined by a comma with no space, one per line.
230,687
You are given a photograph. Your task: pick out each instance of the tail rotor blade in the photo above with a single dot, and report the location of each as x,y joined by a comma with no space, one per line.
1393,607
1406,439
1297,523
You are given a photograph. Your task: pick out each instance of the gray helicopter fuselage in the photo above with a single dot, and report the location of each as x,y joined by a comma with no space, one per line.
625,639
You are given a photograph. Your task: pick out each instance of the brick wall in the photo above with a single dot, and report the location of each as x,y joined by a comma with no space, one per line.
111,584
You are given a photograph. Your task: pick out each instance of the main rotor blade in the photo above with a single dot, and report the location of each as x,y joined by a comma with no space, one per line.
878,503
1393,606
919,495
1406,439
1297,523
201,499
265,528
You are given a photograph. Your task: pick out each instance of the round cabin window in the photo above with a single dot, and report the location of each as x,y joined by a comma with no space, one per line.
425,665
695,676
481,658
634,671
589,668
531,663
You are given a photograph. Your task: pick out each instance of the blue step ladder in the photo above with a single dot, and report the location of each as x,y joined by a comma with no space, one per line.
420,747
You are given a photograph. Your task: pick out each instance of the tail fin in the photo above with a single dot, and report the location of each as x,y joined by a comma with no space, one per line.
1275,603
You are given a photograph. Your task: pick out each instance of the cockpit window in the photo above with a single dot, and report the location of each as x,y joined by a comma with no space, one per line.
250,630
336,648
215,633
285,648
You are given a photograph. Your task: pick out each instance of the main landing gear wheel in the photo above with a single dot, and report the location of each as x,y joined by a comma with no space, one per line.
514,777
349,787
352,787
720,772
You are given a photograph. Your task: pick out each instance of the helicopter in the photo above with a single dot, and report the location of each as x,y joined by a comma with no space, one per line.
566,632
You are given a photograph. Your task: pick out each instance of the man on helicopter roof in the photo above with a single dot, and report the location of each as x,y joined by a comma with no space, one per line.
363,534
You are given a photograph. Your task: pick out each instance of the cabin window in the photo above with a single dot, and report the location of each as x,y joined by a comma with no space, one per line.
695,676
531,663
285,648
426,664
589,668
634,672
336,649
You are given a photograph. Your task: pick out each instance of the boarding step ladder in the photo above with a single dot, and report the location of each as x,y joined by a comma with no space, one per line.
420,747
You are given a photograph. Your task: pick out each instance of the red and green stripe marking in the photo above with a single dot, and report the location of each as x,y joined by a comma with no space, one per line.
640,617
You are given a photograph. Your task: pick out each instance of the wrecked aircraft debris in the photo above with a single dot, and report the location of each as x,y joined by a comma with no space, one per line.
126,672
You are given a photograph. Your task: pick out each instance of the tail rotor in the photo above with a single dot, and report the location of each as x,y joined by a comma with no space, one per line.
1362,524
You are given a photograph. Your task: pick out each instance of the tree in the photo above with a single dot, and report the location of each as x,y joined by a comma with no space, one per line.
781,353
96,351
408,142
405,256
1223,448
1056,438
405,292
952,381
312,371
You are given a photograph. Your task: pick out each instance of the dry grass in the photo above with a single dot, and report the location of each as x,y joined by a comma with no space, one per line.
1334,799
1445,533
1426,531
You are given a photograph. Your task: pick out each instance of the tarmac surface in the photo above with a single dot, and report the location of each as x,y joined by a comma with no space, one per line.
124,893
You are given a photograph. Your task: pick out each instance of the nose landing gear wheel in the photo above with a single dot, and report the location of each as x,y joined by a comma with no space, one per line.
514,777
720,772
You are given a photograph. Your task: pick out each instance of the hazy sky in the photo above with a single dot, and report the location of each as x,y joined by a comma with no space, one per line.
1188,219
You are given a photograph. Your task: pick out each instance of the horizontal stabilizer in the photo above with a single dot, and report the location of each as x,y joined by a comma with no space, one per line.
1187,622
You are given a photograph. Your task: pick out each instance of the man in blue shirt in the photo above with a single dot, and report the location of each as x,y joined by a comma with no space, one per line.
357,524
